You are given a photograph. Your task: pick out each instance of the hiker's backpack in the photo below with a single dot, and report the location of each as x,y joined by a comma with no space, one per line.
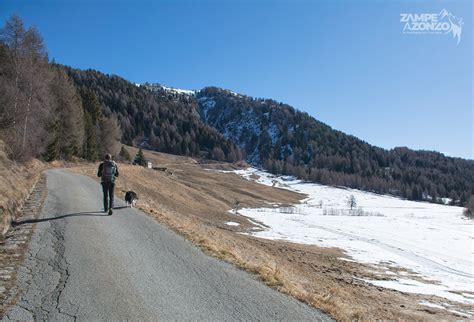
108,172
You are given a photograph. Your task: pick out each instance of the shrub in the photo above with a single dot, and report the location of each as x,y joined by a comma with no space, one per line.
469,211
124,154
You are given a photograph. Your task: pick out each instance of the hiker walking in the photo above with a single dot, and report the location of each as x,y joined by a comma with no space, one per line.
108,170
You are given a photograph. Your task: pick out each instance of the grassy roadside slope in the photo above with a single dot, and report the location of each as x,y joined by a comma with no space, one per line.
16,184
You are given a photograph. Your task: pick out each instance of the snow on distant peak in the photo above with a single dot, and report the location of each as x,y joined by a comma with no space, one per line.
156,87
178,90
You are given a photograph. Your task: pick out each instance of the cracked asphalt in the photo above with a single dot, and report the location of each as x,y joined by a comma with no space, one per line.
84,265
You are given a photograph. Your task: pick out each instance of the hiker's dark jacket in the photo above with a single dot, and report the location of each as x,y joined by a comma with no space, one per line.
101,169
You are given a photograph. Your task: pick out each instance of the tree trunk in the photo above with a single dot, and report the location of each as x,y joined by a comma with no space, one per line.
16,96
25,126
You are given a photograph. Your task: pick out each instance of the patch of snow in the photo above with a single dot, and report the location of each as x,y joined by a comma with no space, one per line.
156,87
346,259
467,314
256,224
413,286
234,93
431,240
178,90
433,305
446,201
232,223
460,313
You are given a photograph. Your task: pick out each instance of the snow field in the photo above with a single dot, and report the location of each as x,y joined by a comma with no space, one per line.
433,241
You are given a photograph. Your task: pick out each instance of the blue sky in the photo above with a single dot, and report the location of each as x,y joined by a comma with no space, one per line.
347,63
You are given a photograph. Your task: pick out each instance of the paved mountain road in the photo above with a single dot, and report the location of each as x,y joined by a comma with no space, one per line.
84,265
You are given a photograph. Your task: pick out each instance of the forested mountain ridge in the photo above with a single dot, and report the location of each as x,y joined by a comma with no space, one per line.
283,140
155,119
275,136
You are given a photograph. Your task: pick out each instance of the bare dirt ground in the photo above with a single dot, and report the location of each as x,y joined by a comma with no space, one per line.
195,202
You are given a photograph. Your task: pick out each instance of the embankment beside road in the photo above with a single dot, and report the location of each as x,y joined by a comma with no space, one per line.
16,184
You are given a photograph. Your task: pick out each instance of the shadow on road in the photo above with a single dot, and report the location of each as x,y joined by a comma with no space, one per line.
77,214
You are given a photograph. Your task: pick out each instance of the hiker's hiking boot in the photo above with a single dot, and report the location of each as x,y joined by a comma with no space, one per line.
110,212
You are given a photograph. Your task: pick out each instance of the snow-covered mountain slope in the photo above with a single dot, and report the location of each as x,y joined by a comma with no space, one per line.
426,248
244,131
283,140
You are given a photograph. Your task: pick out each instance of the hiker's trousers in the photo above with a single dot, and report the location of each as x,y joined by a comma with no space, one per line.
108,189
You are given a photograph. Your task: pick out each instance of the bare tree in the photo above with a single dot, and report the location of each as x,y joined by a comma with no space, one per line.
25,69
351,202
110,135
37,111
12,39
7,94
218,154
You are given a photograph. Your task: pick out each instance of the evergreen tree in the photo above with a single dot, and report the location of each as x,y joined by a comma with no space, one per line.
92,115
52,150
91,105
91,152
68,120
140,158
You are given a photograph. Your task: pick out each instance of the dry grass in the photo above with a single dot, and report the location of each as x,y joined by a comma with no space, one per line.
194,202
16,183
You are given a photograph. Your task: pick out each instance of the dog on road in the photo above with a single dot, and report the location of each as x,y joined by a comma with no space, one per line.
131,198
